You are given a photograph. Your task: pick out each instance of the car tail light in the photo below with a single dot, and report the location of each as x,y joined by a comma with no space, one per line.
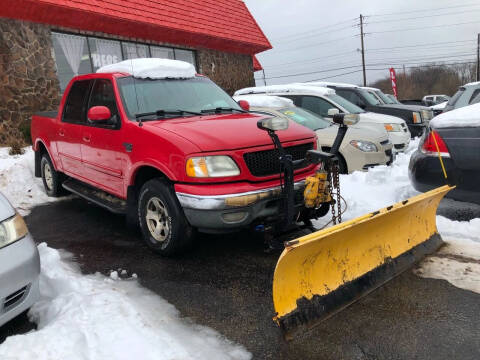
432,140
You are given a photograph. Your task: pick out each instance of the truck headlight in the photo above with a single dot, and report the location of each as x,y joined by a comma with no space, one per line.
393,127
211,166
417,119
363,145
12,230
427,114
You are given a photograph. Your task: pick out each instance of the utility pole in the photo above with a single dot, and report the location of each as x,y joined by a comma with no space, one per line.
363,51
264,80
478,57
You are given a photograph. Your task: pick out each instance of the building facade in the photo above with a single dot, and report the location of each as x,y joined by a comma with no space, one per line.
43,44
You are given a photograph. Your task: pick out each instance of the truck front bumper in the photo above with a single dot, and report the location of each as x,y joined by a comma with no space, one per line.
231,212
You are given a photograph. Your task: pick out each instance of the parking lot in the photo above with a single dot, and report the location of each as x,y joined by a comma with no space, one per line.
225,283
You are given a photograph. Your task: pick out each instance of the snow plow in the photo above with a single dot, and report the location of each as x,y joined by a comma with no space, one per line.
321,273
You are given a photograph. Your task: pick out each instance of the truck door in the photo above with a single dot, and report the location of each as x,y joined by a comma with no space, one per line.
103,154
70,128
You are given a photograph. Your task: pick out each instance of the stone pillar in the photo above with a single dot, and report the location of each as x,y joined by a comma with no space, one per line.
28,80
230,71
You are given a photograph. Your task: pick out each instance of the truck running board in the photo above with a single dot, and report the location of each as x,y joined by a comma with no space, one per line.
98,197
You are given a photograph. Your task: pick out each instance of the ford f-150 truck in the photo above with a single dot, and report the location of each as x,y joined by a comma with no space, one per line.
152,139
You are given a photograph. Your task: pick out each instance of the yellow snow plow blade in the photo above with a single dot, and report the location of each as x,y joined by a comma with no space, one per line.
321,273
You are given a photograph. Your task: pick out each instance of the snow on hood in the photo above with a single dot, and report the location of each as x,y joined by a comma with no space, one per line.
265,101
380,118
440,106
287,88
152,68
468,116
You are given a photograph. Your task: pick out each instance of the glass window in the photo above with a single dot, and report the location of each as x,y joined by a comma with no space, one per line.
196,94
316,105
185,55
75,105
103,95
71,57
344,103
162,52
305,118
369,98
134,51
350,96
455,97
474,95
104,52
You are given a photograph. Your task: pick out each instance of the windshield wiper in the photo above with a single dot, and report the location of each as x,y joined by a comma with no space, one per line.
163,113
219,110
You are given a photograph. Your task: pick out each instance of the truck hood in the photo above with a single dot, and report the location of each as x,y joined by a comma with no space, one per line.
353,133
405,107
380,118
227,132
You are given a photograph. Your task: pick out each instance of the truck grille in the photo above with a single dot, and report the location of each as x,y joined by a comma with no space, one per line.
265,163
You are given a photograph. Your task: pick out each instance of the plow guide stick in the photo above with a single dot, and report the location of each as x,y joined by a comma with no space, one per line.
323,272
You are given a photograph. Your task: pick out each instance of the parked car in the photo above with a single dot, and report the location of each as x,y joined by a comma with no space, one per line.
360,149
466,95
151,139
416,117
321,100
438,109
430,100
19,264
457,134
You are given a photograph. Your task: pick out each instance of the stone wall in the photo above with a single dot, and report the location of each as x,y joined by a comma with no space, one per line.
230,71
28,80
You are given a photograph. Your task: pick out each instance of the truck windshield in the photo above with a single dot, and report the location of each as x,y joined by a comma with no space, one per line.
344,103
384,97
305,118
189,95
369,98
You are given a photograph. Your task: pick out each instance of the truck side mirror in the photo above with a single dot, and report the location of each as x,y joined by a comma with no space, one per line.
99,113
244,105
332,112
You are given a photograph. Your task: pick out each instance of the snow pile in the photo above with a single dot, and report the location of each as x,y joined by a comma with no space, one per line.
152,68
18,183
265,101
468,116
96,317
298,88
440,106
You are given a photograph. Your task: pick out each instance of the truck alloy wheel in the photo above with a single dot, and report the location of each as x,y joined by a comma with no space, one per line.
47,171
157,218
51,178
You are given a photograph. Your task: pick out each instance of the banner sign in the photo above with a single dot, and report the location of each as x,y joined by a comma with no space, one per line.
393,78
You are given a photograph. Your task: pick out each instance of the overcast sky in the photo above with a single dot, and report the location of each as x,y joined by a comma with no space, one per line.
313,36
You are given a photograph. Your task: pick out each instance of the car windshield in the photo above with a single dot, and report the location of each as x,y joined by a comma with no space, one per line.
344,103
455,97
371,99
189,95
305,118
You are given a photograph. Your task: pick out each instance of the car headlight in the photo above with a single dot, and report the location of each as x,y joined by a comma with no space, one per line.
427,114
417,119
393,127
211,166
12,230
363,145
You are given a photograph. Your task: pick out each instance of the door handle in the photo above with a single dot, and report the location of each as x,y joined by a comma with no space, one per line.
61,132
86,138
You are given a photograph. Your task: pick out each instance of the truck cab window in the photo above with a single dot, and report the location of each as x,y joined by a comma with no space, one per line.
316,105
351,96
103,95
75,105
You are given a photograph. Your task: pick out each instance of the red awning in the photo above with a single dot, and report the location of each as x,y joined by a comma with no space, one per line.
225,25
256,64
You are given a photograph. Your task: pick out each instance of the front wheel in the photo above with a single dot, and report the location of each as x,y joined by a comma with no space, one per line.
162,221
50,177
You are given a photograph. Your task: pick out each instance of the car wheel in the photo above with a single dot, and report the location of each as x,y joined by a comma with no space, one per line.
51,178
164,227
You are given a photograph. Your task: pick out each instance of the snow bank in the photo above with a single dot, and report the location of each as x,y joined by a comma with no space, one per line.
152,68
18,183
97,317
297,88
468,116
265,101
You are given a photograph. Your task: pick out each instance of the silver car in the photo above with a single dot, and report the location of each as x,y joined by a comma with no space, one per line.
19,264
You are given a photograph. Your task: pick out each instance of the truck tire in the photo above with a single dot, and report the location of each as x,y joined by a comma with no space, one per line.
164,226
52,179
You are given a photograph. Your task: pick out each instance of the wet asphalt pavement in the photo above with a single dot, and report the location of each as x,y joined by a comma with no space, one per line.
225,283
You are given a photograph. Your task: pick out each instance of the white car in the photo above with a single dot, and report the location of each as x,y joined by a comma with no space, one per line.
467,94
321,101
19,264
361,148
430,100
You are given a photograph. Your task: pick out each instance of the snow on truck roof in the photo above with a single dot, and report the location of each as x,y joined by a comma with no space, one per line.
266,101
152,68
328,83
468,116
287,88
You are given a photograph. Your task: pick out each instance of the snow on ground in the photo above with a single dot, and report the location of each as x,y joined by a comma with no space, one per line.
98,317
18,183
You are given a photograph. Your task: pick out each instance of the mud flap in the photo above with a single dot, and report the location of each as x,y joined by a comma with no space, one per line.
323,272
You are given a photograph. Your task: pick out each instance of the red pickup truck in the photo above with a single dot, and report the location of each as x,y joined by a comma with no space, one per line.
175,154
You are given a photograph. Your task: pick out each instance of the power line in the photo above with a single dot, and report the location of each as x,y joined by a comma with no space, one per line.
424,10
312,60
416,45
314,34
422,28
321,43
421,17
